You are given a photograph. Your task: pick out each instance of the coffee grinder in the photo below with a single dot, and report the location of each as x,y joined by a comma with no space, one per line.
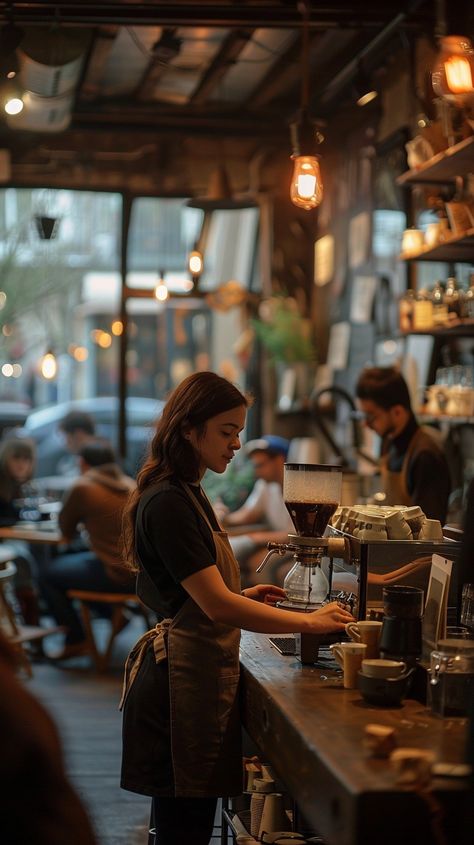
311,493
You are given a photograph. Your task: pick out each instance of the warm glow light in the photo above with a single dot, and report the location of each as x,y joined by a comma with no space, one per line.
117,328
80,353
3,299
17,370
104,340
195,263
14,105
7,330
458,75
49,366
453,73
161,291
306,184
7,370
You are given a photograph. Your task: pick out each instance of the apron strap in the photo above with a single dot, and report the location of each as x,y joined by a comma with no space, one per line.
157,636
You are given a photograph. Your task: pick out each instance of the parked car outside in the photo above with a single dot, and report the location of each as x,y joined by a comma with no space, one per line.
12,414
42,426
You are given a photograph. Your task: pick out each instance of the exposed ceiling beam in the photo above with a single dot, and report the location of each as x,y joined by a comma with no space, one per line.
200,121
153,73
228,55
284,74
272,14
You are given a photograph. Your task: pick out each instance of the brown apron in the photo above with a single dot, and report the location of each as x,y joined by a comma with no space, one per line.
395,483
203,664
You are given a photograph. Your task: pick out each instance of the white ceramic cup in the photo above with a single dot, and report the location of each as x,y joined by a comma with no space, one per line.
431,530
397,527
368,632
349,656
380,668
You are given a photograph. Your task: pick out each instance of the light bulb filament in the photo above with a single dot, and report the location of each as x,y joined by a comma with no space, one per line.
458,75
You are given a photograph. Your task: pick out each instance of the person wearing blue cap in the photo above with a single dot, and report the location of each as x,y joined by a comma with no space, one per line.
264,506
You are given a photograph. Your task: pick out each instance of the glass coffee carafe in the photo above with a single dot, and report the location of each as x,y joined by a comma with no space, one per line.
311,493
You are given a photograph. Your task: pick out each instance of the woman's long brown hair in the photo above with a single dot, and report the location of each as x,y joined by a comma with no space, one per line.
14,447
196,400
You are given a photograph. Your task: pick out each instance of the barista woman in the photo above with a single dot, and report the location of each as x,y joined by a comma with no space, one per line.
181,728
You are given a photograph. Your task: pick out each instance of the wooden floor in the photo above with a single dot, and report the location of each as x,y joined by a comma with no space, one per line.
84,706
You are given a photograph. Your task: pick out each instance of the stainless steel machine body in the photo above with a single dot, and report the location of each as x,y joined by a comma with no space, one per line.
371,563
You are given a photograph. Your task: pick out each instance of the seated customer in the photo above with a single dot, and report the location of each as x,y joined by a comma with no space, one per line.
264,505
77,428
17,463
96,501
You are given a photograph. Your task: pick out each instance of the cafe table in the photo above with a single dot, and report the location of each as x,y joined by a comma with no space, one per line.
311,731
45,532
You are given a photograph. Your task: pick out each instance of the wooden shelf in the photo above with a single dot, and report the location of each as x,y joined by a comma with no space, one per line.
443,418
459,328
457,248
444,166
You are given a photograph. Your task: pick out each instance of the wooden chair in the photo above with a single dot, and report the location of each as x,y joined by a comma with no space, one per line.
16,633
119,602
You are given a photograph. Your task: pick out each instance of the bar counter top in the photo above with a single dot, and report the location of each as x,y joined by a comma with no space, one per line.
311,731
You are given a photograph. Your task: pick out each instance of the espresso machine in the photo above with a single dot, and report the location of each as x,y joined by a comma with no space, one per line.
311,493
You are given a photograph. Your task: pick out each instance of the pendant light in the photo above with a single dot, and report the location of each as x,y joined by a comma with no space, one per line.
306,190
49,365
453,73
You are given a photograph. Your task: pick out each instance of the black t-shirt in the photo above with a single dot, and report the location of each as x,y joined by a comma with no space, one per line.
172,543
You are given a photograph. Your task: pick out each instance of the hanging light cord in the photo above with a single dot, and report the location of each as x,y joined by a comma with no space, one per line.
304,9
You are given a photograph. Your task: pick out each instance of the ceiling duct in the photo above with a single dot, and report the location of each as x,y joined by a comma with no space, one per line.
50,66
219,195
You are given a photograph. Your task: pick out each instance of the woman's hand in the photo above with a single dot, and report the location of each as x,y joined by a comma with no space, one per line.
266,593
330,617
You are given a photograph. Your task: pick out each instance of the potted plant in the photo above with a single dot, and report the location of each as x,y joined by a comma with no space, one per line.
286,335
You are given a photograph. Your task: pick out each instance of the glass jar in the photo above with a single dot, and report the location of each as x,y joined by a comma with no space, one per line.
451,680
423,312
468,301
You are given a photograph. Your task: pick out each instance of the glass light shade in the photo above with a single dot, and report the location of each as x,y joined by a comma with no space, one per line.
453,73
306,184
195,263
49,366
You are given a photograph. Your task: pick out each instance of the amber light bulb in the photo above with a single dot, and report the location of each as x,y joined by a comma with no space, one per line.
453,74
306,185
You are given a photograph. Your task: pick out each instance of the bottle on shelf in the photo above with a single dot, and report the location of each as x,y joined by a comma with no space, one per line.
453,298
468,300
440,309
405,311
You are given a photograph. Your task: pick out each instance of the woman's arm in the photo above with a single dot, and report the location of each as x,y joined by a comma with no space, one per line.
210,593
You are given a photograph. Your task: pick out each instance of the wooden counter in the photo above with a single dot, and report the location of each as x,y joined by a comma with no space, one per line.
311,730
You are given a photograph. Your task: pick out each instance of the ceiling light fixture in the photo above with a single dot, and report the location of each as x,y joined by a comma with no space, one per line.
161,290
306,189
453,73
365,92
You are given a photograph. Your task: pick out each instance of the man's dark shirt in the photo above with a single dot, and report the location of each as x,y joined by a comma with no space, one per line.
428,479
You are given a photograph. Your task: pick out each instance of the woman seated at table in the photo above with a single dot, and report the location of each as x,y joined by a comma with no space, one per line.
17,462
